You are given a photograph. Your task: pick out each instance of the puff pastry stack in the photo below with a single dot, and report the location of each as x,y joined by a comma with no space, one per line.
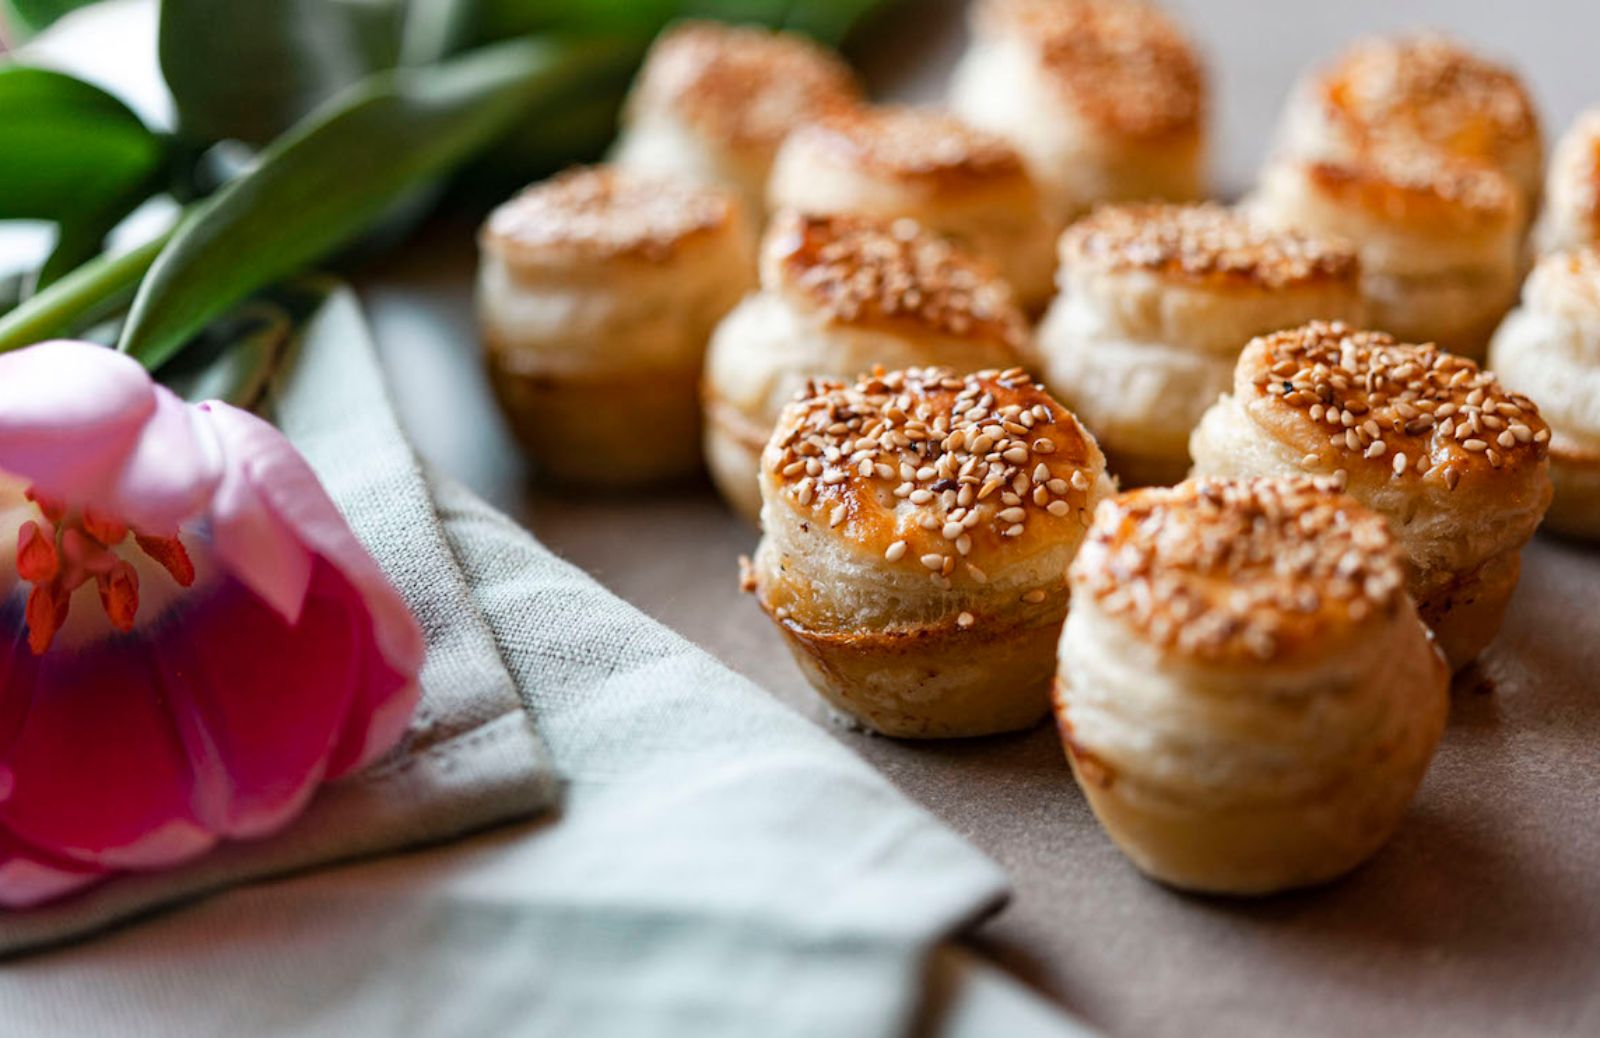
597,293
1549,348
1156,303
967,184
713,102
1457,464
917,528
1105,99
840,294
1246,694
1440,239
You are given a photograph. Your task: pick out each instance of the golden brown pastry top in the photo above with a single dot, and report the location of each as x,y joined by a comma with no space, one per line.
1204,243
1429,88
922,145
936,472
1416,187
600,212
742,85
1360,404
1238,570
893,274
1123,66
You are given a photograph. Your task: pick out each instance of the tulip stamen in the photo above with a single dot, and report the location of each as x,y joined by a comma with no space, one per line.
65,549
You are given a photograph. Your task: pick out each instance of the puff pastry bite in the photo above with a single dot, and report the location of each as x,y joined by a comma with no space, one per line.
1156,303
1439,238
916,531
967,184
713,102
1549,348
1571,215
1427,89
1456,463
597,292
1105,99
840,295
1246,695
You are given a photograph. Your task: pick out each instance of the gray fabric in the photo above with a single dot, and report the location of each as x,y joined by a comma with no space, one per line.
716,866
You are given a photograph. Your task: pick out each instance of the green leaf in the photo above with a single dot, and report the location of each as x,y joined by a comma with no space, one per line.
69,148
31,16
827,20
323,184
251,69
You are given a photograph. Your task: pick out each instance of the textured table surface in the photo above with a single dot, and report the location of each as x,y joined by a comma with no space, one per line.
1482,917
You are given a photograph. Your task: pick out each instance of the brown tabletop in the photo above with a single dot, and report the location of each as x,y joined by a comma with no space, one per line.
1483,915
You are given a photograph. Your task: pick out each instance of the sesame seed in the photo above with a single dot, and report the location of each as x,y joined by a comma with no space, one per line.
965,619
933,562
895,552
1034,597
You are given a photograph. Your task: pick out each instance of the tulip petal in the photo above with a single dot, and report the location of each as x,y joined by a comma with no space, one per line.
99,773
261,703
284,483
68,413
29,877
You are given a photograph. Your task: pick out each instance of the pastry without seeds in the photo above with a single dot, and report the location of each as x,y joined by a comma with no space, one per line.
917,528
1439,238
1457,464
1424,89
713,102
967,184
597,292
1106,100
840,295
1246,695
1549,348
1571,216
1156,303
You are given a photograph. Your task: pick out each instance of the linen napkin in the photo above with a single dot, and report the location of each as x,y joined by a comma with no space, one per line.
714,864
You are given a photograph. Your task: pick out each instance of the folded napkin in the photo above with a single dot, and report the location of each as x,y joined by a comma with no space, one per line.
710,863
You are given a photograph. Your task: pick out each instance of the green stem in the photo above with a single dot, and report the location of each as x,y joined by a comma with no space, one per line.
92,293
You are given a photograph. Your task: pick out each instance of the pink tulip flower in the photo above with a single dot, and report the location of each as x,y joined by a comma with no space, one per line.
191,638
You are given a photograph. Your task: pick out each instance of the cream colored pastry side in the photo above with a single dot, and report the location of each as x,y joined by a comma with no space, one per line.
1549,348
1439,239
1246,695
597,293
967,184
1456,463
1156,302
914,546
839,296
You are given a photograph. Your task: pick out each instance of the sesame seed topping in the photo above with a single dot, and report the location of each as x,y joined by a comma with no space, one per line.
860,270
742,85
1418,402
1203,242
948,494
910,143
1239,568
1401,171
1430,88
1125,66
605,211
